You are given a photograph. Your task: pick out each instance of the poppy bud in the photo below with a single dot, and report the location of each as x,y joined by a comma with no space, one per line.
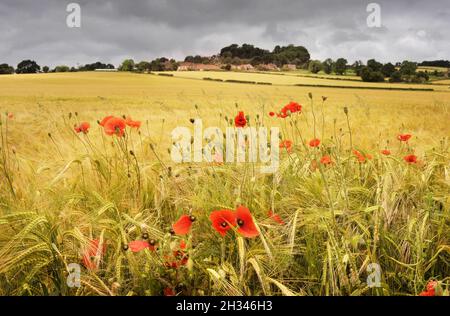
76,113
131,153
152,147
192,120
196,107
70,114
310,95
324,98
192,218
346,110
98,122
145,236
49,135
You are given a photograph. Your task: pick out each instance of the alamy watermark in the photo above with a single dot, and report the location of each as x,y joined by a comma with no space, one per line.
247,144
74,17
374,18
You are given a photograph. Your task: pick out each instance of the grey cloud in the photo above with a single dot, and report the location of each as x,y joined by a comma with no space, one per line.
113,30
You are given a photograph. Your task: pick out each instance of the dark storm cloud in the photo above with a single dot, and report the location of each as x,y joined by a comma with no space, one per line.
114,30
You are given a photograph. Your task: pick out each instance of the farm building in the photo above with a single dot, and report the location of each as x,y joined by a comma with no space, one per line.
196,67
289,67
245,67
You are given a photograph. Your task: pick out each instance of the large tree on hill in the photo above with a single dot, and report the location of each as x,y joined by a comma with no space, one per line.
374,65
27,67
340,66
408,68
6,69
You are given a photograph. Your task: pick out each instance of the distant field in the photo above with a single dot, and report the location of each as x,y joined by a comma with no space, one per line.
290,79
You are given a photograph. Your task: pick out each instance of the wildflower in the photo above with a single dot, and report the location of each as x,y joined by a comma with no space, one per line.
244,219
326,160
314,142
105,119
133,124
362,157
410,159
289,109
431,289
386,152
222,221
276,218
183,225
404,137
240,120
83,128
91,253
115,126
286,144
139,245
10,115
169,292
272,113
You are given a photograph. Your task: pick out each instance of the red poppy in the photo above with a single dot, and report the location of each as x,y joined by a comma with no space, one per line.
362,157
431,289
83,128
386,152
139,245
276,218
222,221
133,124
183,225
115,126
179,257
105,119
272,113
410,159
289,109
404,137
10,115
91,253
244,219
240,120
169,292
314,143
326,160
286,144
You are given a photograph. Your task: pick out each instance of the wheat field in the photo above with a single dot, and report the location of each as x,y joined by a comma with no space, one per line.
108,203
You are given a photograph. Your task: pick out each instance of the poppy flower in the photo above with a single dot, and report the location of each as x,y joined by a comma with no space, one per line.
326,160
431,289
362,157
240,120
179,257
244,220
222,221
272,113
139,245
404,137
133,124
314,143
410,159
10,115
83,128
169,292
286,144
276,218
115,126
289,109
105,119
183,225
386,152
90,254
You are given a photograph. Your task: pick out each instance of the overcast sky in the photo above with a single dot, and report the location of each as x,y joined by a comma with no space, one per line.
144,29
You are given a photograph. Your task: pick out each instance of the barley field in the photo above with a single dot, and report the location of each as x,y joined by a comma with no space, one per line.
360,204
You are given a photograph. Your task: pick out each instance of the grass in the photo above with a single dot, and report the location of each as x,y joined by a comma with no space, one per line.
59,189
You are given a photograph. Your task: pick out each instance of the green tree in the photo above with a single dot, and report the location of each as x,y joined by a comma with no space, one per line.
62,68
327,66
374,65
368,75
408,68
6,69
28,67
127,65
45,69
388,69
396,76
340,66
144,66
315,66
